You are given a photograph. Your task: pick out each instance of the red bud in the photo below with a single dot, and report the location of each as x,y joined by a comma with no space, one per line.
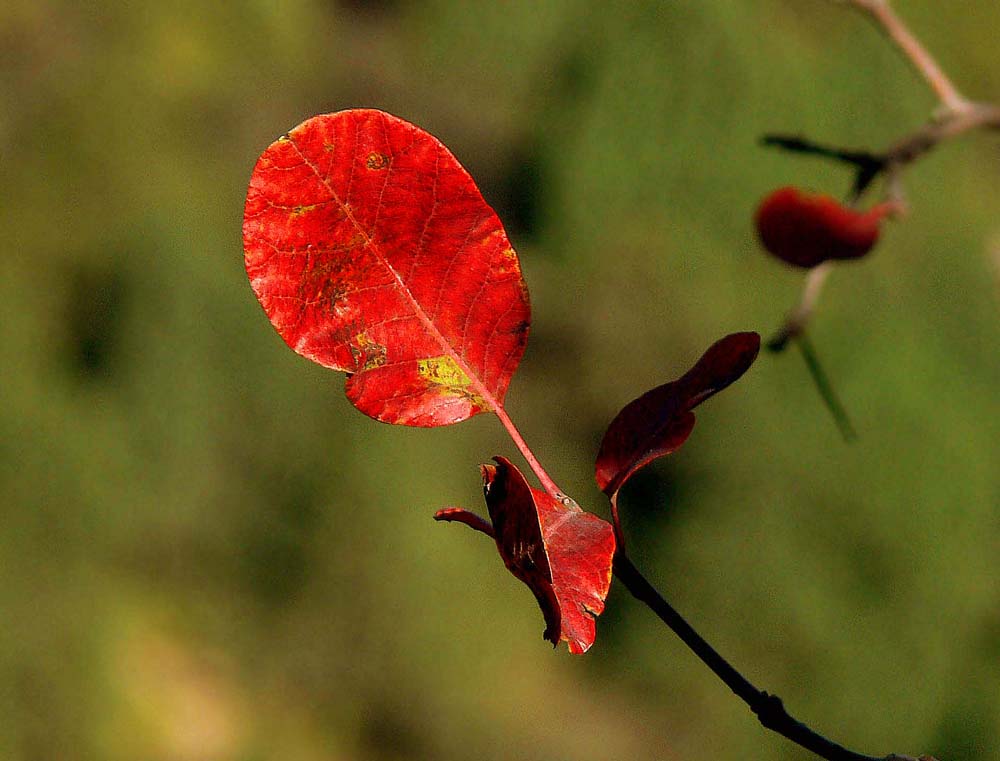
806,229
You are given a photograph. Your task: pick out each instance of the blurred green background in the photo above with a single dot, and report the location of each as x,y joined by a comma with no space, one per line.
207,553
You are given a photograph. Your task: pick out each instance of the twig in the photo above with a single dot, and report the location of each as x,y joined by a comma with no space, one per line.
794,330
915,145
768,708
906,150
882,12
796,320
868,164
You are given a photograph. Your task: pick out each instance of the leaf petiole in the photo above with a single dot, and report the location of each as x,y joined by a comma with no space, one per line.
546,481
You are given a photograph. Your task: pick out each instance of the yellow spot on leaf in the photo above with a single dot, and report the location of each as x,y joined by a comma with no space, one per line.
444,372
367,352
377,161
299,210
506,262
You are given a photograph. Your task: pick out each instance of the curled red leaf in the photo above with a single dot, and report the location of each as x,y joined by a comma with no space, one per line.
373,252
806,229
660,421
561,552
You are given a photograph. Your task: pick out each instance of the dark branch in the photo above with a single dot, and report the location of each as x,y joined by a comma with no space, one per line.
768,708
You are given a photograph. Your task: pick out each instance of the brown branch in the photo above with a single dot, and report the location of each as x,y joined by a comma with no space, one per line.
913,146
883,14
796,320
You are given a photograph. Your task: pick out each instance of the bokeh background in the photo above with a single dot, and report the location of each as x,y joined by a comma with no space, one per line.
207,554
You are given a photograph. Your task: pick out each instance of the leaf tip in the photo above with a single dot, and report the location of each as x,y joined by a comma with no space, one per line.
660,421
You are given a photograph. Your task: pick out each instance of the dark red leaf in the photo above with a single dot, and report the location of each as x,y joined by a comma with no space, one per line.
660,421
562,553
807,229
373,252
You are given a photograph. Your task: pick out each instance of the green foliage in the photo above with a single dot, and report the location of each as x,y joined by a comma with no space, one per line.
208,553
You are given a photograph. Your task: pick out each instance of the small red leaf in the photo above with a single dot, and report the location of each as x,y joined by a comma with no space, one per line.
807,229
660,421
373,252
562,553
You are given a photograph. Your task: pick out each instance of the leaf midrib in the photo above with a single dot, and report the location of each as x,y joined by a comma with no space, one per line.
449,349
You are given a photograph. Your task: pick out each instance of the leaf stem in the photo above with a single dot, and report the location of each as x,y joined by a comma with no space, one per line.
547,483
825,388
768,708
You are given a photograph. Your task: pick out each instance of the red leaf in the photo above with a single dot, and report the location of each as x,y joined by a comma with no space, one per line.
807,229
660,421
562,553
373,252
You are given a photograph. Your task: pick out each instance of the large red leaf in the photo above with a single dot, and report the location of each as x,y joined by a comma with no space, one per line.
373,252
660,421
562,553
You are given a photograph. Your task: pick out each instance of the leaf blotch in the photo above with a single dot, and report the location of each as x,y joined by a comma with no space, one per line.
445,373
507,262
299,210
377,161
367,352
442,371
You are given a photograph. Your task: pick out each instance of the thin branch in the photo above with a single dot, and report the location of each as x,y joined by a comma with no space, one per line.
909,148
881,11
867,165
904,151
768,708
797,319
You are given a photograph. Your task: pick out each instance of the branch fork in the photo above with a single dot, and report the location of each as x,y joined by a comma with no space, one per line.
954,115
